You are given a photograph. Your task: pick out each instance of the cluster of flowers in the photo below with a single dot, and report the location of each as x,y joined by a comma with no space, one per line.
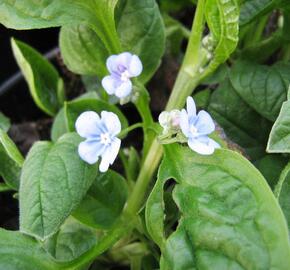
188,126
101,132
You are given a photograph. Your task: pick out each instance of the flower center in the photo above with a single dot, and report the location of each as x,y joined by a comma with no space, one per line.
193,130
125,76
105,138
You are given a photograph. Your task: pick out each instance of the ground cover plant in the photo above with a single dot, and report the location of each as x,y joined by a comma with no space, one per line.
205,185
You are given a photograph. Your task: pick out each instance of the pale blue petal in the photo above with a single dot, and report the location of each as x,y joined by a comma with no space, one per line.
190,107
124,89
112,122
110,84
213,143
124,59
112,63
104,165
184,124
200,147
135,67
89,151
87,124
204,123
110,154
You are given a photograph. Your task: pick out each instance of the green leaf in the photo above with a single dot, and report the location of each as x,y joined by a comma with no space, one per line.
4,122
202,98
83,51
4,187
240,122
11,161
104,202
74,108
263,88
71,241
271,166
59,126
229,216
10,148
282,191
28,14
279,139
54,181
253,9
45,85
18,251
141,31
223,21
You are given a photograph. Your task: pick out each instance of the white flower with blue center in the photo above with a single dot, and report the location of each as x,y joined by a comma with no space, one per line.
122,68
196,128
101,137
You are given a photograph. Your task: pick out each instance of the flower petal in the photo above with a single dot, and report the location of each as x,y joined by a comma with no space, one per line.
190,107
164,119
201,147
104,165
124,89
112,63
90,150
124,59
110,154
112,122
110,83
135,66
184,124
213,143
87,124
204,123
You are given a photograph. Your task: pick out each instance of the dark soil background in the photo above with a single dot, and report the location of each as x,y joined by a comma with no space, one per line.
17,104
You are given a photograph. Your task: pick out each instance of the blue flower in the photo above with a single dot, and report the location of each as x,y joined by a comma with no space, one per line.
101,140
196,128
122,67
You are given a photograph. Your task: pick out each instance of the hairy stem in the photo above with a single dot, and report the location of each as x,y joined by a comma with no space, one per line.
186,81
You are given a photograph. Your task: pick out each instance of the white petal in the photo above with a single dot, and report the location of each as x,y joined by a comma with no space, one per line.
190,107
124,89
104,165
109,83
204,123
200,147
112,63
124,59
213,143
112,122
184,124
89,151
110,154
135,67
164,119
87,124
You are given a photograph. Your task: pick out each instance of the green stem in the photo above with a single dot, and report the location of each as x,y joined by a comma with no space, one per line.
4,187
149,166
187,80
119,230
142,105
185,84
192,57
125,131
